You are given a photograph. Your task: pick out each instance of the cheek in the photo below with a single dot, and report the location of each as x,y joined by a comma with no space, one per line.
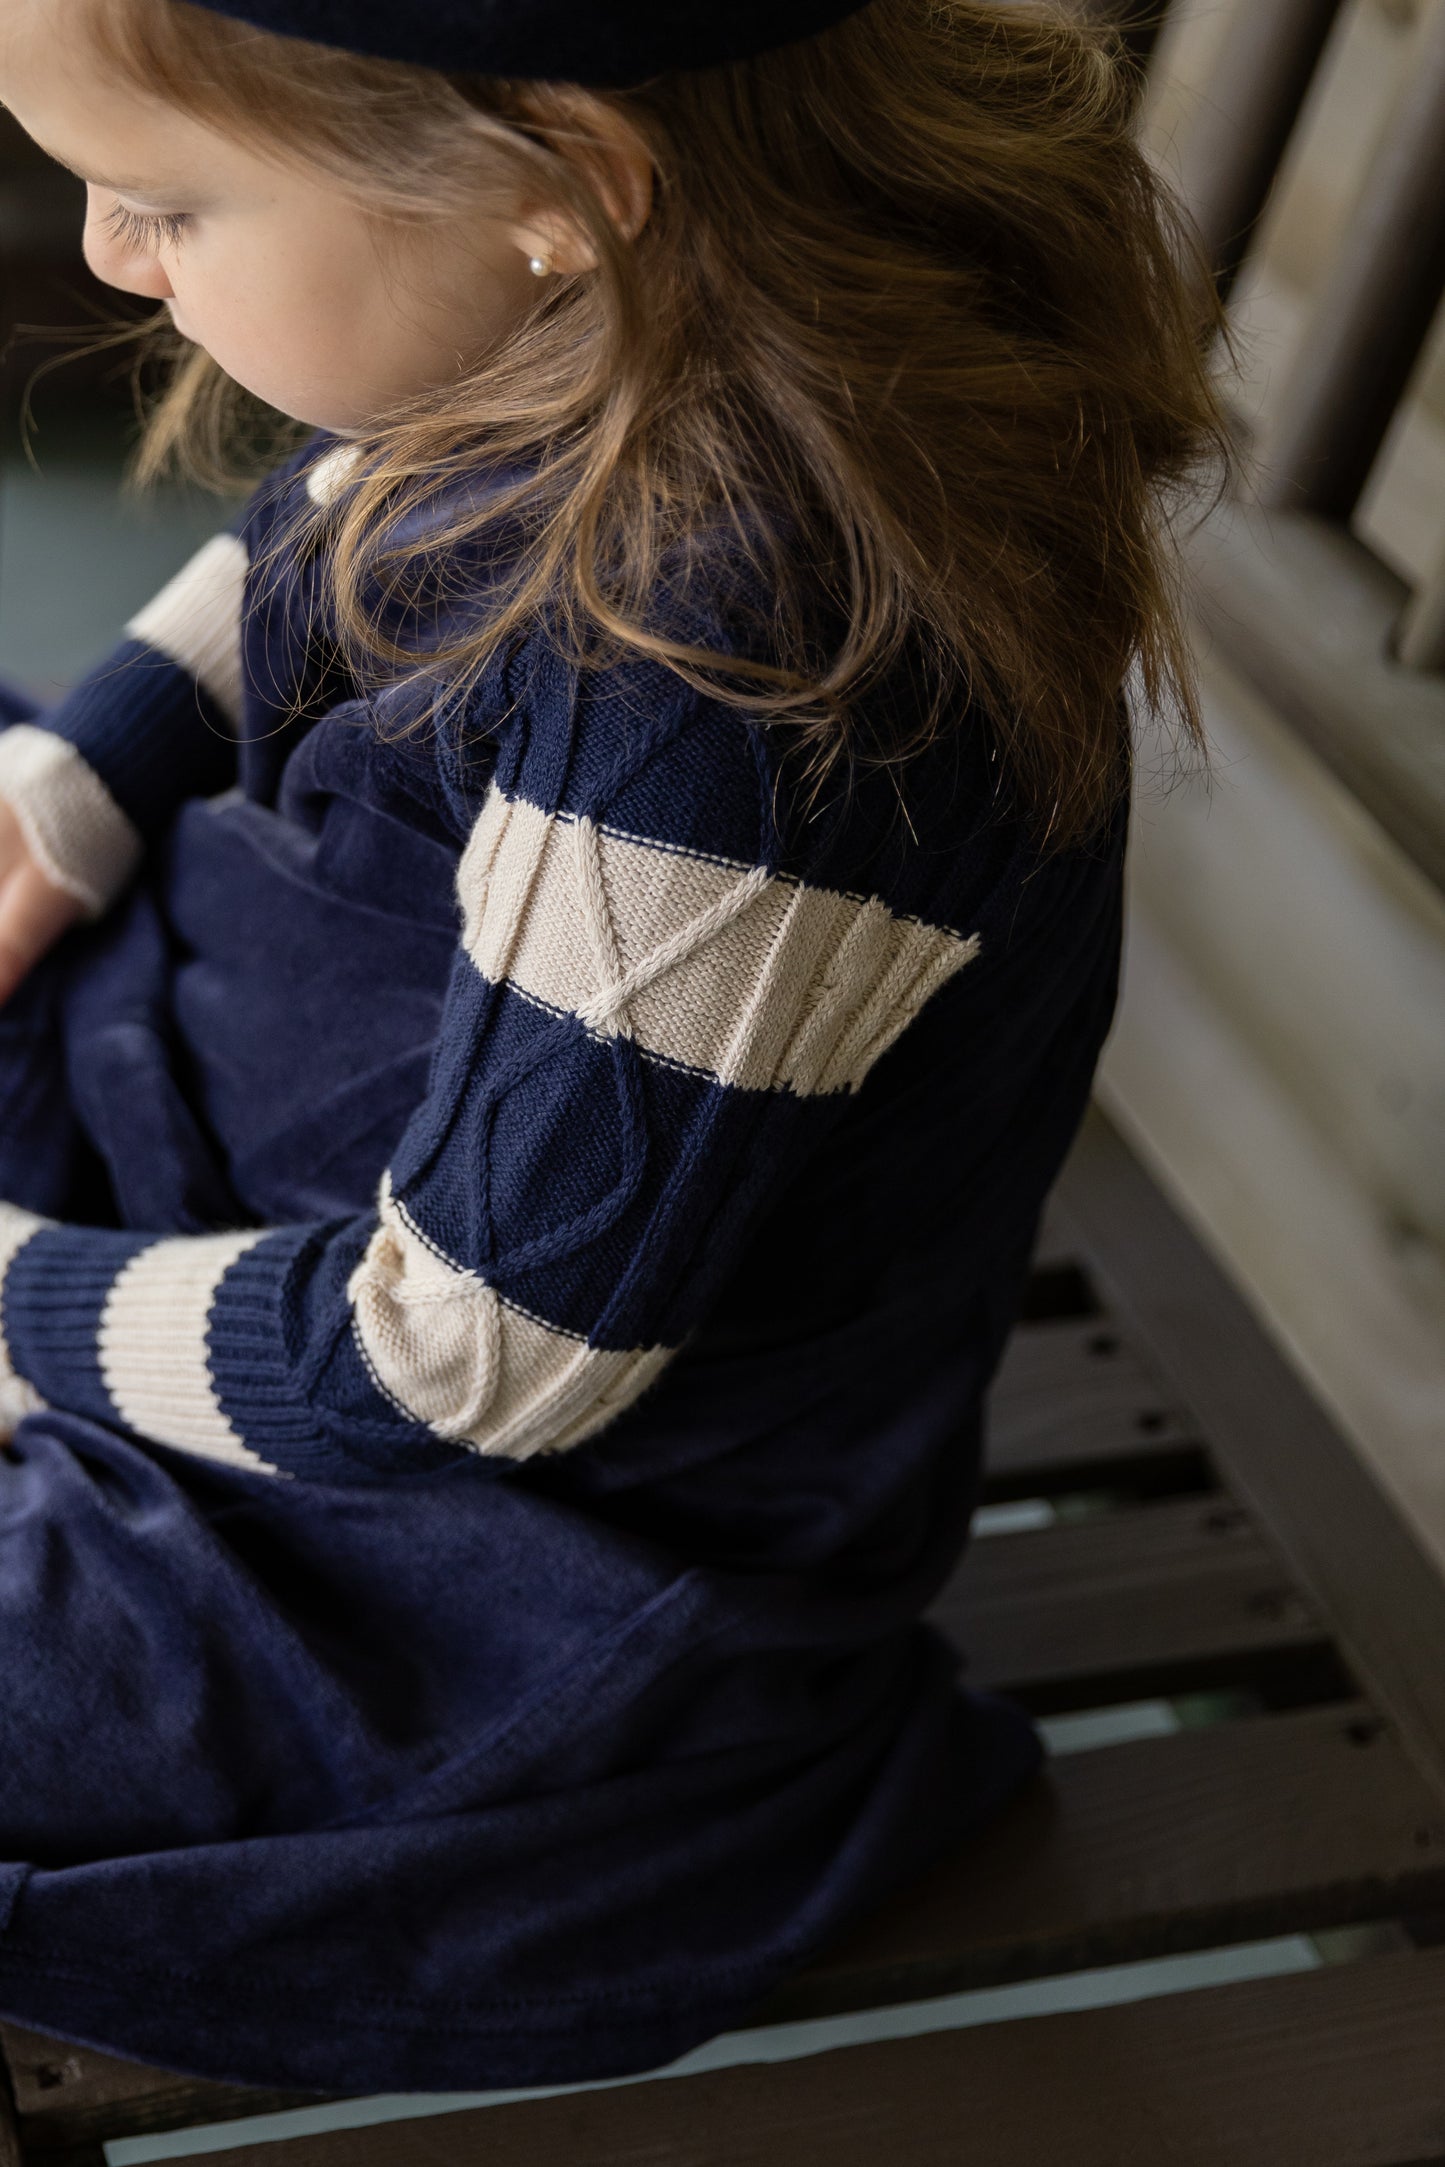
247,312
300,333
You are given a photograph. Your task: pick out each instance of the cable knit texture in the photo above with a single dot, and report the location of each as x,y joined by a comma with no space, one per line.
522,1206
663,988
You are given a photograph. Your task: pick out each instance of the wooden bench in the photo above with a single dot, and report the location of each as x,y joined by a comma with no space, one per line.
1206,1533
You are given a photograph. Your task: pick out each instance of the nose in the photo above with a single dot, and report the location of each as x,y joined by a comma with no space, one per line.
113,260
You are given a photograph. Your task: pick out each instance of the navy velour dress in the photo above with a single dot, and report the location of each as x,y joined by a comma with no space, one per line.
504,1233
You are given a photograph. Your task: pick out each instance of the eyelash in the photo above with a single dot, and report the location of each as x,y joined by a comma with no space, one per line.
146,229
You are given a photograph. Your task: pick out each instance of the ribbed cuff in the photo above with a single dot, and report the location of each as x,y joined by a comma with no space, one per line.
257,1385
334,1428
18,1397
73,828
55,1292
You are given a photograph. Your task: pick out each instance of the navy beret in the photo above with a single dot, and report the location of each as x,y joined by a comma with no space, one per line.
603,43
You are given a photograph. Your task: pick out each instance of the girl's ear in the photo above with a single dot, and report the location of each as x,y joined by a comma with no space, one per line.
614,158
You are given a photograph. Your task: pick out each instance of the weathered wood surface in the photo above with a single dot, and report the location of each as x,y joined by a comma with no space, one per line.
1337,2068
1243,116
1303,610
1344,1541
10,2155
69,2096
1229,1833
1157,1599
1373,312
1072,1399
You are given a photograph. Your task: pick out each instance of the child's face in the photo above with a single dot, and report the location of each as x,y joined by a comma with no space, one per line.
277,273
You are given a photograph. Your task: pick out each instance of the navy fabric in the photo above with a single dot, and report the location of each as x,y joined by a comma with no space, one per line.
265,1820
558,40
279,1015
425,1769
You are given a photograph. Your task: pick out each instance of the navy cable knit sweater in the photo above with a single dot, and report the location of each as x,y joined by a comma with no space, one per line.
506,1230
550,1011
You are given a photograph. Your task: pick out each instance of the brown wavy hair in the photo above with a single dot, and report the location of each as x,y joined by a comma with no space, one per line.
909,289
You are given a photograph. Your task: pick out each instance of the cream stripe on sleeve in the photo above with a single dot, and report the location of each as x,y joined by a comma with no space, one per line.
759,980
72,826
448,1353
196,620
152,1345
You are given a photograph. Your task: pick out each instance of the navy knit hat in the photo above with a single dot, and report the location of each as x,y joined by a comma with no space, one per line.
604,43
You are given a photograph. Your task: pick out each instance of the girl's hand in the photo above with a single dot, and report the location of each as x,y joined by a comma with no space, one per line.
34,912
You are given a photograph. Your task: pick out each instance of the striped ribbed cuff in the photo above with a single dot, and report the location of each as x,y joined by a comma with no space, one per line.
187,1341
76,833
267,1398
18,1397
56,1289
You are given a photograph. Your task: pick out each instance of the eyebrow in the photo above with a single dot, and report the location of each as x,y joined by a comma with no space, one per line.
96,180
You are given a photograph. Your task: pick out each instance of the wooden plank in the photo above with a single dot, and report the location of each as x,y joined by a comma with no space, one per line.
1336,2068
1420,644
1298,606
10,2155
1071,1396
1281,1825
68,2095
1156,1599
1343,1539
1370,318
1053,1245
1231,144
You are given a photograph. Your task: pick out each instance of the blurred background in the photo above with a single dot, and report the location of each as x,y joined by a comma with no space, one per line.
1279,1058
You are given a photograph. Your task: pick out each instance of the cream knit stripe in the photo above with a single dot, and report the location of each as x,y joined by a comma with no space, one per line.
196,620
73,828
17,1398
473,1368
153,1352
760,980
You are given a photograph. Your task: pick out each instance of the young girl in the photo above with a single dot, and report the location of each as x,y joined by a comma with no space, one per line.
588,917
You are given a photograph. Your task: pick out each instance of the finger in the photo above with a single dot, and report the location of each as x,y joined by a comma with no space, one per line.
33,915
14,851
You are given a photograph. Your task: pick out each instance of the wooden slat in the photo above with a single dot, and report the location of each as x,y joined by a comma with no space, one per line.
1420,644
1054,1243
1229,150
1302,609
1336,2068
9,2133
1374,312
1344,1540
1070,1398
69,2095
1159,1598
1285,1824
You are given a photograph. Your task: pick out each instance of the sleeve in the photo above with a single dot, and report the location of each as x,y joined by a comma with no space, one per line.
651,1020
94,778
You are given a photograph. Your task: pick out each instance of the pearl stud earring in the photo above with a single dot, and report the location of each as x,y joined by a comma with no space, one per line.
539,266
